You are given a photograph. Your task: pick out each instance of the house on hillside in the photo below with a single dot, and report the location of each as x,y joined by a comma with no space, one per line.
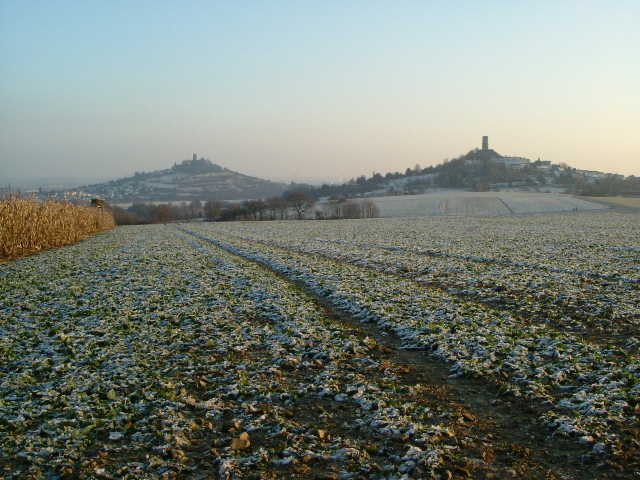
542,164
515,162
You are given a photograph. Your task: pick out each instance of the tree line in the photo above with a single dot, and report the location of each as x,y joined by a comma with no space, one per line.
609,185
291,205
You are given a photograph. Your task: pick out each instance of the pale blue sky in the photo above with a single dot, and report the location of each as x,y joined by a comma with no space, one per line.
307,89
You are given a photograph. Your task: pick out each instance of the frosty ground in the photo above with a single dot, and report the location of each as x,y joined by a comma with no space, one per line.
484,204
384,348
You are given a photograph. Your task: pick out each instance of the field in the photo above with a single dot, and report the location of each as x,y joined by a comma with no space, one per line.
459,203
625,202
28,225
436,347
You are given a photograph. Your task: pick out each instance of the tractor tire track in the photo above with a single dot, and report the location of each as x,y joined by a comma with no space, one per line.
514,422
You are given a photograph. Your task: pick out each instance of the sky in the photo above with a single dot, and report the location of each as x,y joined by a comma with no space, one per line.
314,91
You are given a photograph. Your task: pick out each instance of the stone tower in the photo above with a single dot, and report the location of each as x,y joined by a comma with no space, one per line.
485,143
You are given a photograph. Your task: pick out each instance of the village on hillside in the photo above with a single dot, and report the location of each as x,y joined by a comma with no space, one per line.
480,170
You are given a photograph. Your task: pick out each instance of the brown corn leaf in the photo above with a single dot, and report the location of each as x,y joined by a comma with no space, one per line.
241,442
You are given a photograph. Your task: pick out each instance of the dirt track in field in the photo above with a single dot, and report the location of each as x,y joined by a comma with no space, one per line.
506,430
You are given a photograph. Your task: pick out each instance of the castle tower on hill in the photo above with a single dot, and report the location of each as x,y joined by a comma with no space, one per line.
485,143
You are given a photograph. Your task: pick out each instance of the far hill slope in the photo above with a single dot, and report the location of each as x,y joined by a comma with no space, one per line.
485,169
196,179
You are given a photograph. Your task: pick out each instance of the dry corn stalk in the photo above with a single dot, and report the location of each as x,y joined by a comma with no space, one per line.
28,225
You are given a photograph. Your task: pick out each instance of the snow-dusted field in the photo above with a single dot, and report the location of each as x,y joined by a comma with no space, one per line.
406,348
457,203
548,306
625,202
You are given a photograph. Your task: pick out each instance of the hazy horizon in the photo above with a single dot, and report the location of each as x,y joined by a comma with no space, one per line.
301,91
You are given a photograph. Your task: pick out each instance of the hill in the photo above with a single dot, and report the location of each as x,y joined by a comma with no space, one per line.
195,179
482,170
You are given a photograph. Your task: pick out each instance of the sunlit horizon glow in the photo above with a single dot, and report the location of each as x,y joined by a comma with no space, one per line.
314,90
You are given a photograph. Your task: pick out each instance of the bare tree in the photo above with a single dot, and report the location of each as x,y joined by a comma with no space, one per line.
300,202
212,209
277,207
351,209
161,213
283,209
369,209
333,208
340,207
255,209
195,208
